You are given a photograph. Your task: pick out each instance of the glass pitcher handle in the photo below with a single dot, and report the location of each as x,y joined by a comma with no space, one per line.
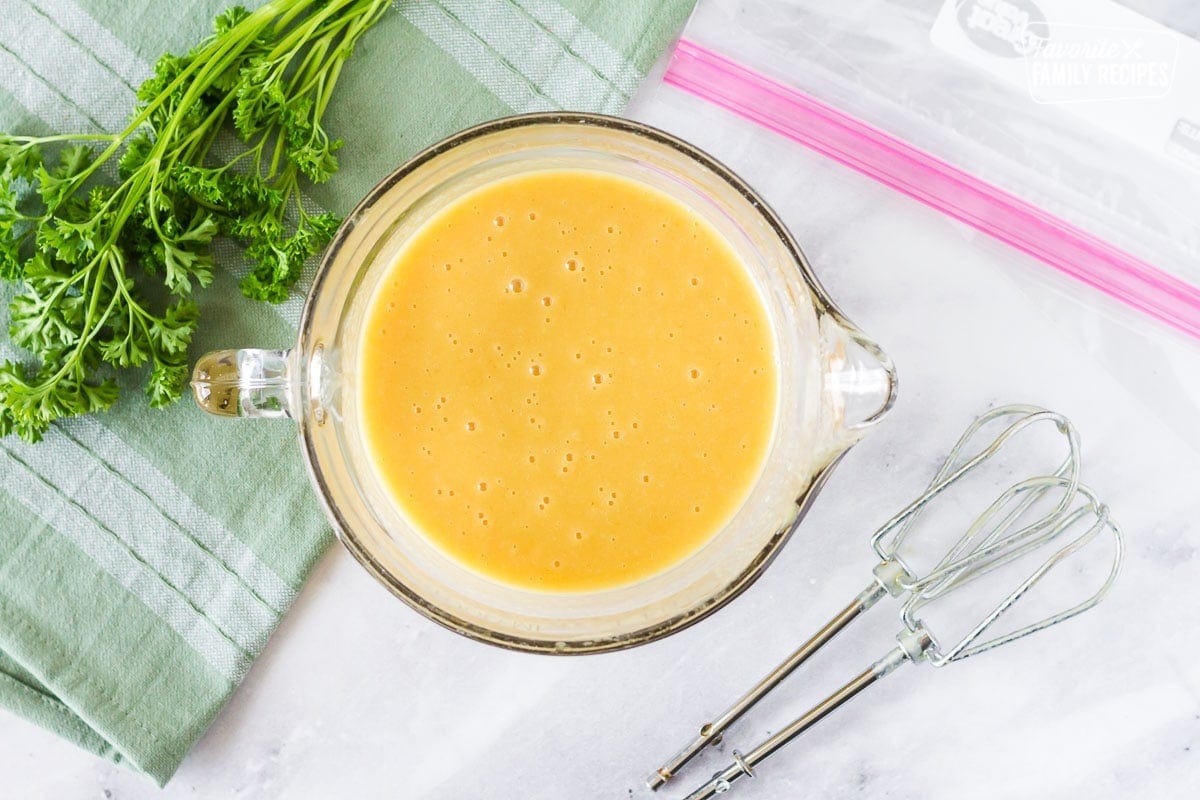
245,383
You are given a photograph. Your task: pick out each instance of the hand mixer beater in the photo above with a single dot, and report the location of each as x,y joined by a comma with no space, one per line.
1011,528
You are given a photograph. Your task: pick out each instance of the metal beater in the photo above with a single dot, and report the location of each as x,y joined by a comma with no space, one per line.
991,541
916,643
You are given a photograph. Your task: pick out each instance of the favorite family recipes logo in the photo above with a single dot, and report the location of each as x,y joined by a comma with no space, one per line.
1066,59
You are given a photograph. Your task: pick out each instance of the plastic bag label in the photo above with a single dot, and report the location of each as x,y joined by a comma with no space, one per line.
1091,57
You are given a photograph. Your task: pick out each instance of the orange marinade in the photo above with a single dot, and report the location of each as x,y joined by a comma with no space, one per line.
568,381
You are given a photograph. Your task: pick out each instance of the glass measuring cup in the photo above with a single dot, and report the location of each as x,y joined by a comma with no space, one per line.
835,383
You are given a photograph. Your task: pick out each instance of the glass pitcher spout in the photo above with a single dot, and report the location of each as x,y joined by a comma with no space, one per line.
858,381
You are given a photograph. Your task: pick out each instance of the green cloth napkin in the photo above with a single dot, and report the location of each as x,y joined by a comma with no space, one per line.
146,556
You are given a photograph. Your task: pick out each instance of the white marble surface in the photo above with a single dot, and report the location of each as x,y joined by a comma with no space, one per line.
357,696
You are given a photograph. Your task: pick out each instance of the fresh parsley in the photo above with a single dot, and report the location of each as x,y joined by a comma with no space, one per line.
79,213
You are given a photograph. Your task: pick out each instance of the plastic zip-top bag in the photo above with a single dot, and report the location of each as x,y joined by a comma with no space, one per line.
1069,129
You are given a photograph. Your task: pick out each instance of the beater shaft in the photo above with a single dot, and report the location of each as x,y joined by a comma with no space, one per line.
743,765
710,733
913,645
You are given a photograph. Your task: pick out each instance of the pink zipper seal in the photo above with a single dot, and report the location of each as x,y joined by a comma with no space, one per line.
936,183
